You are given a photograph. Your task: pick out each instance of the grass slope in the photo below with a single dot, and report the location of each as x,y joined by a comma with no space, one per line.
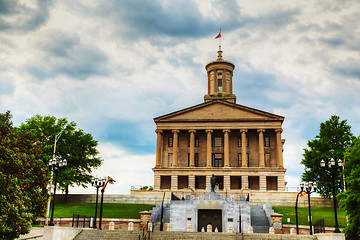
110,210
316,212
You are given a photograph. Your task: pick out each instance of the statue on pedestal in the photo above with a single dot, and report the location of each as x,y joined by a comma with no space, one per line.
212,183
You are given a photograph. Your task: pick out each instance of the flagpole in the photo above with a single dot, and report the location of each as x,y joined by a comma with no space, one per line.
220,40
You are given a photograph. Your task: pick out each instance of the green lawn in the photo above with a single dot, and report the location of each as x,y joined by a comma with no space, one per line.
110,210
316,212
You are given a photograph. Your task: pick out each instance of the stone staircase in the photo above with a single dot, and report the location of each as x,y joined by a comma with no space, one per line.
95,234
156,213
259,221
125,235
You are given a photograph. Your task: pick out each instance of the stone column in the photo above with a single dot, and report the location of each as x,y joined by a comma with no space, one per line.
281,183
208,148
192,147
192,182
262,183
279,148
208,179
158,147
226,148
261,148
244,159
226,183
156,182
175,148
174,183
244,182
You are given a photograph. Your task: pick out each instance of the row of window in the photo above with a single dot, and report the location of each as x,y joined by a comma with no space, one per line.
218,142
217,159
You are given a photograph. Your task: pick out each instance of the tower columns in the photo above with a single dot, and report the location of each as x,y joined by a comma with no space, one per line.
208,148
192,147
244,160
175,148
261,148
279,148
226,147
159,140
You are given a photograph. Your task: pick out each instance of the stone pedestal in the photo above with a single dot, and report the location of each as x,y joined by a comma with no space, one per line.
144,218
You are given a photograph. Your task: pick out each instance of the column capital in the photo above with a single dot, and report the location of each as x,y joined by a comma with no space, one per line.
226,130
208,131
192,131
243,130
278,130
175,131
158,131
261,130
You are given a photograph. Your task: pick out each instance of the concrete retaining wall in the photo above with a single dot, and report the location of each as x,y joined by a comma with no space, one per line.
113,198
285,199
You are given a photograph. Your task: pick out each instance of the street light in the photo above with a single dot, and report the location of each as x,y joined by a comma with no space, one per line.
309,188
333,168
57,137
296,207
97,183
104,182
56,168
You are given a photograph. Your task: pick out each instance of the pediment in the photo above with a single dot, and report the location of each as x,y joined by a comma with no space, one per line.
218,111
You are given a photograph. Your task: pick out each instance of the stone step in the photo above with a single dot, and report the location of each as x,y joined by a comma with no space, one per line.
261,229
125,235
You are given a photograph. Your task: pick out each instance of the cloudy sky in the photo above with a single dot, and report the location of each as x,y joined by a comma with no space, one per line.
112,66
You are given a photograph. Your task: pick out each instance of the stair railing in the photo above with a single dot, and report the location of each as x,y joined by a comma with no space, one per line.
144,233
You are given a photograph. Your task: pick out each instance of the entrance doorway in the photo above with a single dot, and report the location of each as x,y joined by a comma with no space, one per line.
210,216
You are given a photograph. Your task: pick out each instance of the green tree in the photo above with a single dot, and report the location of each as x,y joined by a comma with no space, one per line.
351,197
77,147
331,142
22,180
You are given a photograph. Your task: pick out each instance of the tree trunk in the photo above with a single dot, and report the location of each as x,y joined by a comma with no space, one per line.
66,193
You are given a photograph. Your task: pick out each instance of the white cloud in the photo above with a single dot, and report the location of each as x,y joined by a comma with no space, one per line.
125,168
299,59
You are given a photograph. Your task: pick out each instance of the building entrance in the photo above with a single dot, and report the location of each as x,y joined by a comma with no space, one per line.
210,216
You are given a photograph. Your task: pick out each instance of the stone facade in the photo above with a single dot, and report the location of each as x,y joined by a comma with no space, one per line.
241,146
186,214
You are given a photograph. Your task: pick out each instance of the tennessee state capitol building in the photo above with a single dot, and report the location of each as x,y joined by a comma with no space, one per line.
241,146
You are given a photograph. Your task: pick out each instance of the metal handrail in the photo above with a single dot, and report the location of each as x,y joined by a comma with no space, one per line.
144,234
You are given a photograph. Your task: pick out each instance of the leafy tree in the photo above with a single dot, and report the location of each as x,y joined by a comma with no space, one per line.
77,147
22,180
333,138
351,197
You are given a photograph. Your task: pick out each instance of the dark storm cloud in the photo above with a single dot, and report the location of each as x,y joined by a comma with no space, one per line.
17,17
178,19
61,53
181,19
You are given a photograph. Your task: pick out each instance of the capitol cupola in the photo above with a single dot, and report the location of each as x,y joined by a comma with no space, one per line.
220,73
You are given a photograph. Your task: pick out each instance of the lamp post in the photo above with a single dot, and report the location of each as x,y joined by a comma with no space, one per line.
97,183
296,208
310,187
105,181
333,168
57,137
56,168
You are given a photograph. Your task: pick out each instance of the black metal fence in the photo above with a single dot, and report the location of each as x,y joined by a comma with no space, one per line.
82,221
319,226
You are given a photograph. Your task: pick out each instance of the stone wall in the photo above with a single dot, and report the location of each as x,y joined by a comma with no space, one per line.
286,199
119,224
274,198
114,198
